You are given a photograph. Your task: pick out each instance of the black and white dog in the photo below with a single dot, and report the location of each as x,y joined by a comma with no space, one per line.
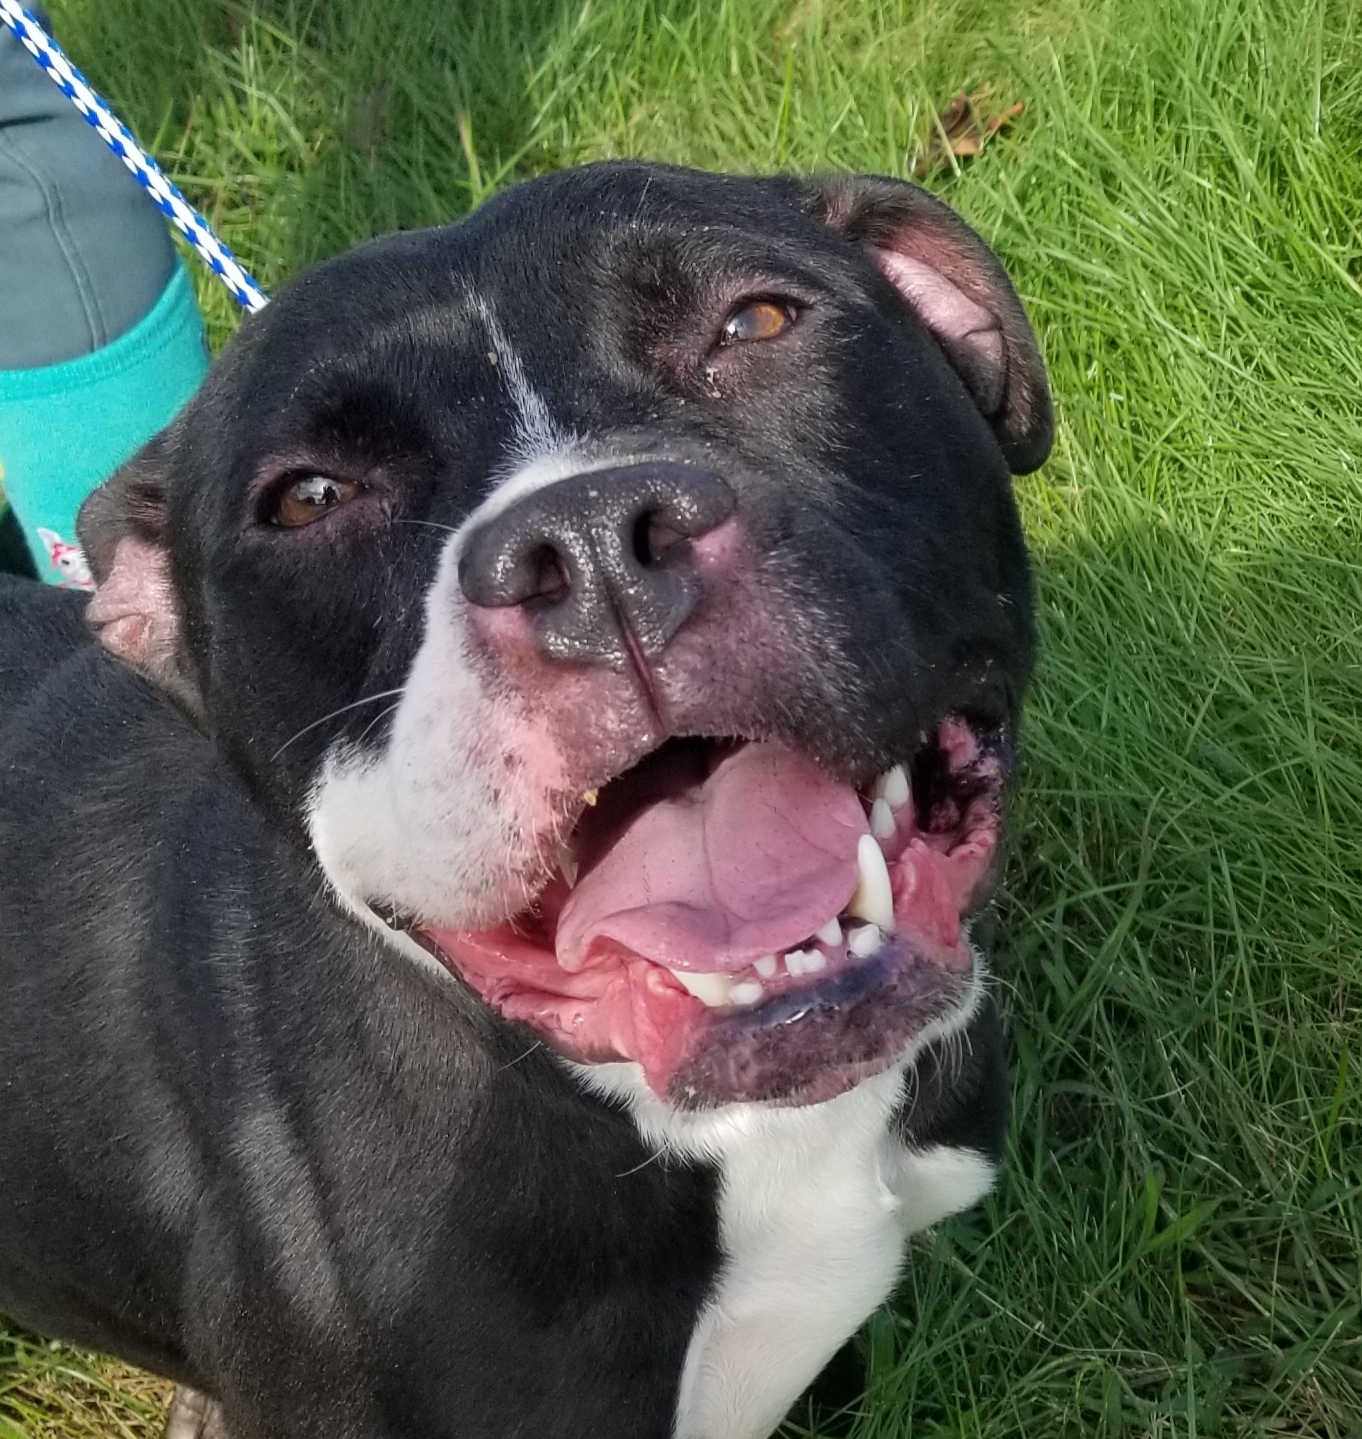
508,974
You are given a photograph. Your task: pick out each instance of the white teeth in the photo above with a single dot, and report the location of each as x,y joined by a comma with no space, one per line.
882,824
567,864
831,933
864,941
714,990
896,789
805,961
874,897
767,966
748,992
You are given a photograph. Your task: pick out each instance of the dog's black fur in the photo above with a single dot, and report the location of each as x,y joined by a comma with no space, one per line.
244,1141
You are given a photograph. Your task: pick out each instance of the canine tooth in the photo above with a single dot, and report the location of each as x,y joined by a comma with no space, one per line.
874,897
713,989
896,789
831,933
747,992
590,796
767,966
865,940
567,864
882,824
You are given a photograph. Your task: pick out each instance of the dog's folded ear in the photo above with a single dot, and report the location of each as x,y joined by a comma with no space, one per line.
135,611
957,288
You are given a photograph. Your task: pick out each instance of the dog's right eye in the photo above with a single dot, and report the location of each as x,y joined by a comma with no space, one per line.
757,320
310,497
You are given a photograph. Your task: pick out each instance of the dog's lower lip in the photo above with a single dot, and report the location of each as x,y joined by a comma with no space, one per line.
932,827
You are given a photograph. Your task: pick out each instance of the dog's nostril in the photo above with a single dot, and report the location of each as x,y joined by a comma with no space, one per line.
642,548
655,537
549,575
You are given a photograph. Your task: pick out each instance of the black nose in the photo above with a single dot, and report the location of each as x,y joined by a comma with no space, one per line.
599,554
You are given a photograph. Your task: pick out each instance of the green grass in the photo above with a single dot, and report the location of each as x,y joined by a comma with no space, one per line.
1175,1247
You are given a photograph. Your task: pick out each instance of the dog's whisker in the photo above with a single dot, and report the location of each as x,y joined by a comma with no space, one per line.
429,525
336,713
377,720
524,1054
651,1159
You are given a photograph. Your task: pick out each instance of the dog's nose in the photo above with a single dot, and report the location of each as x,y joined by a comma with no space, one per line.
599,557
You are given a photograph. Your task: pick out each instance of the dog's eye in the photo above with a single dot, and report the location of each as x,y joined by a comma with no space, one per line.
757,320
311,497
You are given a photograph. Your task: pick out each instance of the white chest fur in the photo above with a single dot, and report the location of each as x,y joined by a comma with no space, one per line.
815,1206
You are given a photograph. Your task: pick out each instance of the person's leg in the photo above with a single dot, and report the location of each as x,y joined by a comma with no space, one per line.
100,337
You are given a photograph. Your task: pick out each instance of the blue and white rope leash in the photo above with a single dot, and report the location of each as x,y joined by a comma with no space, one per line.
146,171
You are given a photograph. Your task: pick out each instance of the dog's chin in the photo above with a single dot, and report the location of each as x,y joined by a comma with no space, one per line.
744,928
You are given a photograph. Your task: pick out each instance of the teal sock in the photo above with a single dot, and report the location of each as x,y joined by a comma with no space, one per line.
65,428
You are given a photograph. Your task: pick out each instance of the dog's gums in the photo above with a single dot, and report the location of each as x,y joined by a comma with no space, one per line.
745,928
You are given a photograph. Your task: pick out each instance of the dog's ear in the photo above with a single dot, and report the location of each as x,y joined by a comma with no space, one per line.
135,611
956,286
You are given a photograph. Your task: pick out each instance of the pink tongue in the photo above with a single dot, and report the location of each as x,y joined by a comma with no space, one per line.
749,863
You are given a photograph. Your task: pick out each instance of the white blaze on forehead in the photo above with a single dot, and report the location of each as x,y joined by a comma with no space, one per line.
541,452
536,431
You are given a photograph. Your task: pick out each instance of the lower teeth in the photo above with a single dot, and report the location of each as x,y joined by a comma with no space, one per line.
805,961
719,990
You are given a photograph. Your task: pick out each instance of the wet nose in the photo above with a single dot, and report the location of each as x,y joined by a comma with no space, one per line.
600,559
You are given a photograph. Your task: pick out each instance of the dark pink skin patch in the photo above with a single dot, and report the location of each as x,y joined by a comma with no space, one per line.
718,548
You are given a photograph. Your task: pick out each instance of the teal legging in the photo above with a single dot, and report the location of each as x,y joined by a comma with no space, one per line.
101,341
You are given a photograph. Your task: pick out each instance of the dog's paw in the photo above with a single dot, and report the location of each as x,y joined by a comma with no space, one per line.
193,1416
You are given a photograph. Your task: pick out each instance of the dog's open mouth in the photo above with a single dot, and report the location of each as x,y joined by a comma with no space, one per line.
746,928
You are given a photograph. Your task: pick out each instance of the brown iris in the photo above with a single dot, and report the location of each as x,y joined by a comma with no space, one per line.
311,497
757,320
